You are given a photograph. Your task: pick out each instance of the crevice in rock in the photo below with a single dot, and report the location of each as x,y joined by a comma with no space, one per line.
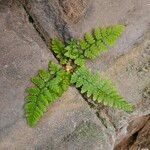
31,20
35,26
99,111
60,25
132,140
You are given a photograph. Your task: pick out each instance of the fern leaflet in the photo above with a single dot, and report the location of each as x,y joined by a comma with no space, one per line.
73,52
49,85
99,89
59,49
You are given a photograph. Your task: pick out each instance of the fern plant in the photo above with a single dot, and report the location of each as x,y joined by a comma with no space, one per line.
50,84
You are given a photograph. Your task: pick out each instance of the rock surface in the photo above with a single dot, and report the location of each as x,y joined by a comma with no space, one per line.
130,72
70,124
137,136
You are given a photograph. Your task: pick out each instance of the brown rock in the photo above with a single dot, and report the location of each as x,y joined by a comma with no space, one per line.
137,136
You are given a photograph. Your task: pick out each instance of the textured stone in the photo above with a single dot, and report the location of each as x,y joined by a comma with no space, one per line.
130,73
137,136
73,10
69,123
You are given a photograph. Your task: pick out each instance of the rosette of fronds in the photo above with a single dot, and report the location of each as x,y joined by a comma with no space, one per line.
50,84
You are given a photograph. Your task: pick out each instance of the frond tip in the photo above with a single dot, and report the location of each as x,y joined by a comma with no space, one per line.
101,90
100,40
49,85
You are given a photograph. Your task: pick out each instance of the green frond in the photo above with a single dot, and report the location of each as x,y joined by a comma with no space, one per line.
38,81
89,38
53,68
101,90
49,85
59,49
44,75
73,52
93,44
33,90
83,44
80,61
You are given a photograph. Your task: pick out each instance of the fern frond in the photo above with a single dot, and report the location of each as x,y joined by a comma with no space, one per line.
101,90
73,52
80,61
59,49
49,85
99,40
71,49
